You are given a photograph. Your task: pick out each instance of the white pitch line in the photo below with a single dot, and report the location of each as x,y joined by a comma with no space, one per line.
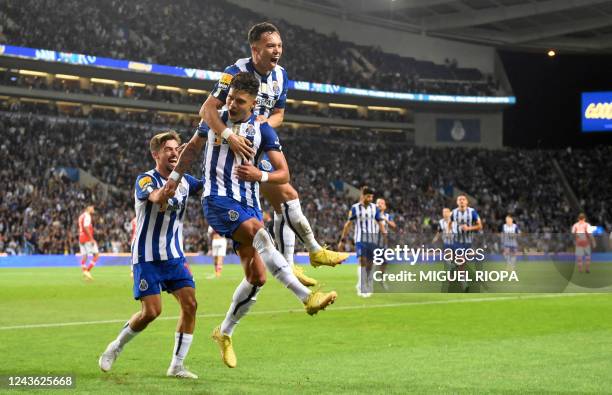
336,308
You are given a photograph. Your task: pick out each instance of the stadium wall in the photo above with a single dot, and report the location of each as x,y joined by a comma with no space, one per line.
466,129
404,43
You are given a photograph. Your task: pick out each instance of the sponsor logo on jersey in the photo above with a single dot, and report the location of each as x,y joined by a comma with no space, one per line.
145,182
226,79
269,102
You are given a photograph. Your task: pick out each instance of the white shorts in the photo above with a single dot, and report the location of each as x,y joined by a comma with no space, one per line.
583,251
219,246
89,248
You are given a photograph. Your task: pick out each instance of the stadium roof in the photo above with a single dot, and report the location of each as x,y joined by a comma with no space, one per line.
573,25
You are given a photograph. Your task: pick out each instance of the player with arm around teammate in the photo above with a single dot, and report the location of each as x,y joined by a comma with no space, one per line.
157,254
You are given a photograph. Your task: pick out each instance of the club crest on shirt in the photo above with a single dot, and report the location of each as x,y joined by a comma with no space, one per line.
182,190
275,87
265,165
250,130
143,285
233,215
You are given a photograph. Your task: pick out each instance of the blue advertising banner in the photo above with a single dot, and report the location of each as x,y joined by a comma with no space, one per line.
458,130
96,61
597,112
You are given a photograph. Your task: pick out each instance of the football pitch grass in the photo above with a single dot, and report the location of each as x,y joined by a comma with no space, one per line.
54,323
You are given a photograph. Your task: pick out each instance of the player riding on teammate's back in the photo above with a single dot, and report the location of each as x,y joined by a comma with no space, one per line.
289,221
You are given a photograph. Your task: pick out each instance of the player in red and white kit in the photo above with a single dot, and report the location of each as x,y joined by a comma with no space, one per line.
87,243
584,241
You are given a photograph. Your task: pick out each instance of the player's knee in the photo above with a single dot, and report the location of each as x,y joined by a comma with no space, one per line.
257,279
149,314
190,306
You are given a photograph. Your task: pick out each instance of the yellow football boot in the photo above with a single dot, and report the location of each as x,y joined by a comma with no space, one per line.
298,271
225,346
318,301
325,257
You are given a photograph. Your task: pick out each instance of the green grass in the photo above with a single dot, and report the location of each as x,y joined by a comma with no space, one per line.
391,343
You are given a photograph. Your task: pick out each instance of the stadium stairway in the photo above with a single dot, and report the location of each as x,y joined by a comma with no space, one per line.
569,192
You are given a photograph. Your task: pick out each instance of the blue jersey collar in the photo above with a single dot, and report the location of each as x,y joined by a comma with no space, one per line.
251,67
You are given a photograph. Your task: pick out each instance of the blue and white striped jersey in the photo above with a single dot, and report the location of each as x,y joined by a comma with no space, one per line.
365,219
509,235
272,87
220,162
159,235
447,232
468,217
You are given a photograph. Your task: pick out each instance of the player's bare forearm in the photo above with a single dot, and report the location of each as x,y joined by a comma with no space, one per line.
248,172
392,224
158,196
209,112
276,119
281,173
279,177
189,154
345,230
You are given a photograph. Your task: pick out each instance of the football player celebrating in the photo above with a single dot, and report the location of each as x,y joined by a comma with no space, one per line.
157,254
289,221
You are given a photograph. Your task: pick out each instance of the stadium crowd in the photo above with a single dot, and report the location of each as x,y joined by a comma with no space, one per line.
40,204
209,34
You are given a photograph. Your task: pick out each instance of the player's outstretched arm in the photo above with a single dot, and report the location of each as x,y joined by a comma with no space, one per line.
188,155
210,114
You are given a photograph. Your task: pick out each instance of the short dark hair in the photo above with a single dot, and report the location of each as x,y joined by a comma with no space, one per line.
257,30
366,190
158,141
245,82
582,216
